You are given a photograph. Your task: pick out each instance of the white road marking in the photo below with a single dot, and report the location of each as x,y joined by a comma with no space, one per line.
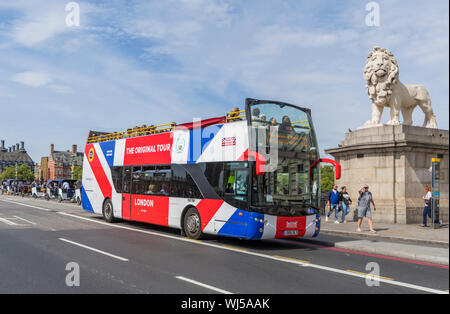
41,208
95,250
330,269
203,285
30,222
335,270
6,221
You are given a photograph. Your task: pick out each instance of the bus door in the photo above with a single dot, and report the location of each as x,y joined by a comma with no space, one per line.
126,193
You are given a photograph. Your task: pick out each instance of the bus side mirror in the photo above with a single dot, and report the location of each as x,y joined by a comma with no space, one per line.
260,161
337,166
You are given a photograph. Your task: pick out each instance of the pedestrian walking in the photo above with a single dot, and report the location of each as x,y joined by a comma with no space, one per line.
344,203
333,203
427,208
364,200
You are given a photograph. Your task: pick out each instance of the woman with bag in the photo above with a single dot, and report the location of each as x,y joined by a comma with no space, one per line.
344,203
427,208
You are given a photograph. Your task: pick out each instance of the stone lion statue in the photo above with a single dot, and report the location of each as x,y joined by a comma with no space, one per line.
386,90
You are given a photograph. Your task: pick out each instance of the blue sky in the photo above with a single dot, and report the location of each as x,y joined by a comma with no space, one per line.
149,62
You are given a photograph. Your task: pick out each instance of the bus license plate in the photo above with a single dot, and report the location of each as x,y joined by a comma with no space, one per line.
290,232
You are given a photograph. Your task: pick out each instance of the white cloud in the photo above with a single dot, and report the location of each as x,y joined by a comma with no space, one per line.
60,88
39,29
33,79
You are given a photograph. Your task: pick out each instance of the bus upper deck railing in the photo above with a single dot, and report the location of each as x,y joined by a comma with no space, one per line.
163,128
143,131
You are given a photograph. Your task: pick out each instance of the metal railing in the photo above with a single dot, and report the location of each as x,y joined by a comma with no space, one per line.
163,128
135,132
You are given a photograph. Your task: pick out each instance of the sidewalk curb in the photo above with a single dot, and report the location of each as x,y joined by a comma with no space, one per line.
350,245
378,237
411,256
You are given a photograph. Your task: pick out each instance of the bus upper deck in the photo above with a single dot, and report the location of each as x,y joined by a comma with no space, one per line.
233,116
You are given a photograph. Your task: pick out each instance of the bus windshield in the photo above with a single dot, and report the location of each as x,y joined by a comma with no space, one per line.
284,134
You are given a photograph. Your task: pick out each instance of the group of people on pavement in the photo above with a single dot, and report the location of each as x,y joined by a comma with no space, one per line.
340,201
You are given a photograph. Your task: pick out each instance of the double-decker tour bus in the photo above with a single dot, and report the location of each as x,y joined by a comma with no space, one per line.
250,174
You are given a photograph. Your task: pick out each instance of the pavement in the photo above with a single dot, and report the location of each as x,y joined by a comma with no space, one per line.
39,238
403,241
413,234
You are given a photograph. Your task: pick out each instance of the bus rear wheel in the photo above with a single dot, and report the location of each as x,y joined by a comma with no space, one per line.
108,212
192,224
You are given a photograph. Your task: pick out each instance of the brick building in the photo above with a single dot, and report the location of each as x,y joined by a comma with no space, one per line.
14,155
60,163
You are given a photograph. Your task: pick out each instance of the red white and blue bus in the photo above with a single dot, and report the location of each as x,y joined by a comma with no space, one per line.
250,174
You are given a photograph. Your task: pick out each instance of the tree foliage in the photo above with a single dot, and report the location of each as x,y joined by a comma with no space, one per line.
327,178
23,173
78,172
8,173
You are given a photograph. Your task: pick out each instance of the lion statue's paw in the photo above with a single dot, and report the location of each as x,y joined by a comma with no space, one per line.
393,122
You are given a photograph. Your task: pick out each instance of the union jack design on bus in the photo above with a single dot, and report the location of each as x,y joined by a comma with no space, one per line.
200,177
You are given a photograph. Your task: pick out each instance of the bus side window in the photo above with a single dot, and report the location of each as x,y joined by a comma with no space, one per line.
148,187
163,180
236,183
136,180
214,173
116,173
182,184
126,180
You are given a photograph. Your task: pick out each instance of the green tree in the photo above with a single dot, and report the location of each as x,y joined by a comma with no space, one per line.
326,178
78,172
24,173
8,173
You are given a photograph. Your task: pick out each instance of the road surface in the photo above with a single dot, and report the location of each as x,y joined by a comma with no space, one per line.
38,239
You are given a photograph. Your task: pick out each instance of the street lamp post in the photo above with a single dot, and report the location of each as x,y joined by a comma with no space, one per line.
17,170
435,188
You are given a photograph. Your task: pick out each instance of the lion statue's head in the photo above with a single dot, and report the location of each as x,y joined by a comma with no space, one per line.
381,73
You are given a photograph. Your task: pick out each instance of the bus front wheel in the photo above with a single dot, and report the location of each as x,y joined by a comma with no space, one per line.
108,212
192,224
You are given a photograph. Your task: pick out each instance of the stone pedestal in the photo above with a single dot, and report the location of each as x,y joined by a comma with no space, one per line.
395,162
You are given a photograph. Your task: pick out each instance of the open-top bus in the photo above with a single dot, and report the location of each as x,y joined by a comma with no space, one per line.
250,174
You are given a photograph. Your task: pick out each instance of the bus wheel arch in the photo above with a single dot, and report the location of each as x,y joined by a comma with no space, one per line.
108,210
191,223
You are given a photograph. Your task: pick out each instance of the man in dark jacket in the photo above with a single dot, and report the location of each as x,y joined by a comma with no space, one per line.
333,203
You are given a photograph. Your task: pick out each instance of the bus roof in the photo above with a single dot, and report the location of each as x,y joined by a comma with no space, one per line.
96,137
